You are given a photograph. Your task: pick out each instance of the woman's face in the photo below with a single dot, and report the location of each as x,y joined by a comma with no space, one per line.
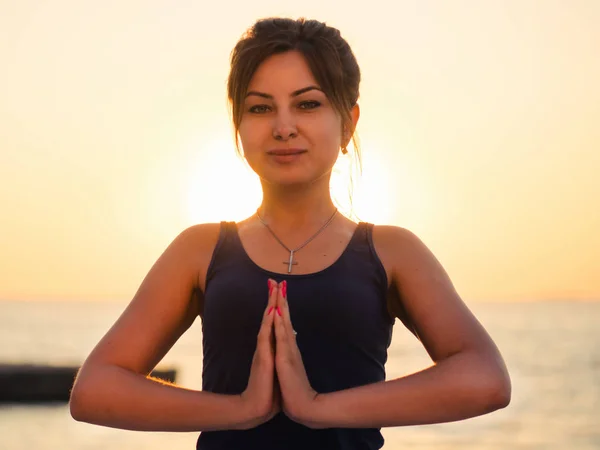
289,130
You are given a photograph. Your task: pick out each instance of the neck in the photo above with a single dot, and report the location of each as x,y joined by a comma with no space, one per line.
294,208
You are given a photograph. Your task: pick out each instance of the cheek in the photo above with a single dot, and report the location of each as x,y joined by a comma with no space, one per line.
328,135
249,134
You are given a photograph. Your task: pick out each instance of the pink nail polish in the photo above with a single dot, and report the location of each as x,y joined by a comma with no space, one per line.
279,311
270,286
284,288
270,310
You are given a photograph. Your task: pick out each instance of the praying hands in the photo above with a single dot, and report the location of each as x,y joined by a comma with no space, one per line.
278,380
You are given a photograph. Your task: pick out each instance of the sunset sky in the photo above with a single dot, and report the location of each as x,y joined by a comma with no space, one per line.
480,132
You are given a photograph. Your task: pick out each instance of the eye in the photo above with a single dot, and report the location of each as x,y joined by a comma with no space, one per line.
310,104
259,109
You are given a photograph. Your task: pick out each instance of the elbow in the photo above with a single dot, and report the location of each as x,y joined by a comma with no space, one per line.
79,400
498,392
492,379
504,393
76,404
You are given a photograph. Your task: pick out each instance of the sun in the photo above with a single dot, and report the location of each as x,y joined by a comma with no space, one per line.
373,195
220,186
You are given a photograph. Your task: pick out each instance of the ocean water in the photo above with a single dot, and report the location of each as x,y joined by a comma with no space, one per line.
551,348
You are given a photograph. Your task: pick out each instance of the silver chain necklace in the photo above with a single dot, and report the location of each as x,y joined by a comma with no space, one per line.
290,262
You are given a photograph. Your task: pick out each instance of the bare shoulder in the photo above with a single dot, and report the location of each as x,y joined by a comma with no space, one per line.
424,291
203,236
394,244
165,305
401,251
196,245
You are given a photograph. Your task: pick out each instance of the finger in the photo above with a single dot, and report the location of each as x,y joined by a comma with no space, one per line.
270,310
284,334
272,300
266,328
273,293
265,332
284,308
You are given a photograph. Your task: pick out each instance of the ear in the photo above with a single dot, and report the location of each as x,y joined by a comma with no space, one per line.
355,113
348,132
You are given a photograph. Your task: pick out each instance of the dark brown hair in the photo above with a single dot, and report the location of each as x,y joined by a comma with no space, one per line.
327,54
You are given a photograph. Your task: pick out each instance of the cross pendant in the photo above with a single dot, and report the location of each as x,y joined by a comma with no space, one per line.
290,262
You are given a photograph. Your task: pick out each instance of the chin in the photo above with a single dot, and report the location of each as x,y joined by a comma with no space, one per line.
290,175
289,180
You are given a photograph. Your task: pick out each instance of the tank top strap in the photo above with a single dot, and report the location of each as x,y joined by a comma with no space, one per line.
229,237
361,235
361,246
229,250
368,233
225,244
362,239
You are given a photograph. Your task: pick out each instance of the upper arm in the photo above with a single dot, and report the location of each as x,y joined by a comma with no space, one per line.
165,305
440,318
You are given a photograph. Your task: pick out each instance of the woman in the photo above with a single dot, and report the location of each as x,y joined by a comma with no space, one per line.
297,301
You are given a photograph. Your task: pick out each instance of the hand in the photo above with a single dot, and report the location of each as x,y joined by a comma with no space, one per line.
298,397
261,398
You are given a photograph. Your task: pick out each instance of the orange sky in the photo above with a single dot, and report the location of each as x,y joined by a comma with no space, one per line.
480,132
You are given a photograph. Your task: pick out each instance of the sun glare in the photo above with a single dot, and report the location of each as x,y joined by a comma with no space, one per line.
220,185
392,189
373,194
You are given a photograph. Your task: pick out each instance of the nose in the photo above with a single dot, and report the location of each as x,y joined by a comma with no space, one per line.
284,126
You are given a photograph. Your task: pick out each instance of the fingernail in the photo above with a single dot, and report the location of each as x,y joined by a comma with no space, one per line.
279,311
269,311
284,288
270,286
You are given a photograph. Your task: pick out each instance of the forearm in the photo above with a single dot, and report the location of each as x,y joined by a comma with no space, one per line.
457,388
115,397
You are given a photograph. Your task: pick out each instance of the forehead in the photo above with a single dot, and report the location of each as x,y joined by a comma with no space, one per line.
283,72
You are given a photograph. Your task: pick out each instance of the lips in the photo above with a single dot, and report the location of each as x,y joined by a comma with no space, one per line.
286,151
286,155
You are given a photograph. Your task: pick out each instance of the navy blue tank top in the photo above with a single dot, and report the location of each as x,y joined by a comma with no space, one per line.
344,331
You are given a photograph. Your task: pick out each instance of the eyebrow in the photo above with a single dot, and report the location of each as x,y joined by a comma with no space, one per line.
293,94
